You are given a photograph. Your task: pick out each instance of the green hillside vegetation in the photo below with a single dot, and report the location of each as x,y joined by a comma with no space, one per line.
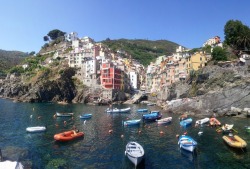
8,59
144,51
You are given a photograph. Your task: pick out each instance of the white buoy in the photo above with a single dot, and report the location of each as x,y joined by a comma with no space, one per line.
31,116
84,122
200,133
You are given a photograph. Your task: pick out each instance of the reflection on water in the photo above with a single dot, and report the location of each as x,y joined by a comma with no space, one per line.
101,148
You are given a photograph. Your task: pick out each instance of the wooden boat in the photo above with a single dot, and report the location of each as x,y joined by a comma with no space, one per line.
152,116
186,122
234,141
36,129
187,143
11,165
214,122
142,110
202,121
86,116
115,110
64,114
68,135
131,122
135,152
164,120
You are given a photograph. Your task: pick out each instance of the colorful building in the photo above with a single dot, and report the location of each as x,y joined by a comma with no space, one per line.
196,61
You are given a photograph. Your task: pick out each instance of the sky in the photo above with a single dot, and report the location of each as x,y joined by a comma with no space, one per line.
186,22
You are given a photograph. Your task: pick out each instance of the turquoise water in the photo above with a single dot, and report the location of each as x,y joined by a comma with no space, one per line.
100,149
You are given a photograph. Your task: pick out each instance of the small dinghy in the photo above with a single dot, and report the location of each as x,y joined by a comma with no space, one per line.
186,122
35,129
164,120
227,128
131,122
135,152
68,135
202,121
142,110
187,143
152,116
214,122
64,114
86,116
116,110
234,141
11,165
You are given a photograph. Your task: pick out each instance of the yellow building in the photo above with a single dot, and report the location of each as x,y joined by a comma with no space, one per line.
196,61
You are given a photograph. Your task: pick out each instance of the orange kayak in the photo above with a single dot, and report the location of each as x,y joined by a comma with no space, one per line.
68,135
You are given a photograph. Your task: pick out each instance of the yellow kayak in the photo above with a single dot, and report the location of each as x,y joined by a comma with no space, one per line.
235,141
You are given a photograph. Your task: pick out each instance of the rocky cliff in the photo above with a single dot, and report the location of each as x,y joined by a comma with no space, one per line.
43,89
217,89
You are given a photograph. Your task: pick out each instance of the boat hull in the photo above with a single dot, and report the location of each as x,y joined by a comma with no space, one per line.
36,129
135,152
131,122
64,114
118,110
86,116
235,141
186,122
187,143
68,136
202,121
165,120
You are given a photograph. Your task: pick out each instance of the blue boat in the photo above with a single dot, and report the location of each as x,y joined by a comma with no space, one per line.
86,116
142,110
152,116
131,122
187,143
186,122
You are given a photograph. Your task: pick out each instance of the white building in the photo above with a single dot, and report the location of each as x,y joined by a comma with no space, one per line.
133,80
71,36
180,53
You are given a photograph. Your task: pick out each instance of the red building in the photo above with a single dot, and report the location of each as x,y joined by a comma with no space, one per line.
110,76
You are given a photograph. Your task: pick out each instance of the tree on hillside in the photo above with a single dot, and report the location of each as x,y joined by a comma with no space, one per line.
237,35
54,34
219,54
46,38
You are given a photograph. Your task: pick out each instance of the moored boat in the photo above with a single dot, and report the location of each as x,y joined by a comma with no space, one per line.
234,141
11,165
214,122
36,129
135,152
68,135
142,110
186,122
247,129
131,122
227,127
116,110
202,121
164,120
152,116
187,143
86,116
64,114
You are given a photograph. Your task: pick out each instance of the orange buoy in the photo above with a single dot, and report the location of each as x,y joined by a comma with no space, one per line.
64,122
54,116
149,127
161,132
110,131
139,131
185,133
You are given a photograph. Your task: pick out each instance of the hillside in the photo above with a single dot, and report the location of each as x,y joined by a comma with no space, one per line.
143,51
9,59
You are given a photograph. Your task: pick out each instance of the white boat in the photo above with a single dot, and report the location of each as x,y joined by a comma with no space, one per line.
227,127
64,114
164,120
202,121
35,129
11,165
187,143
135,152
115,110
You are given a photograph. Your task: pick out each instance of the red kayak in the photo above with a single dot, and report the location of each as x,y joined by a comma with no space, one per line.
68,135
